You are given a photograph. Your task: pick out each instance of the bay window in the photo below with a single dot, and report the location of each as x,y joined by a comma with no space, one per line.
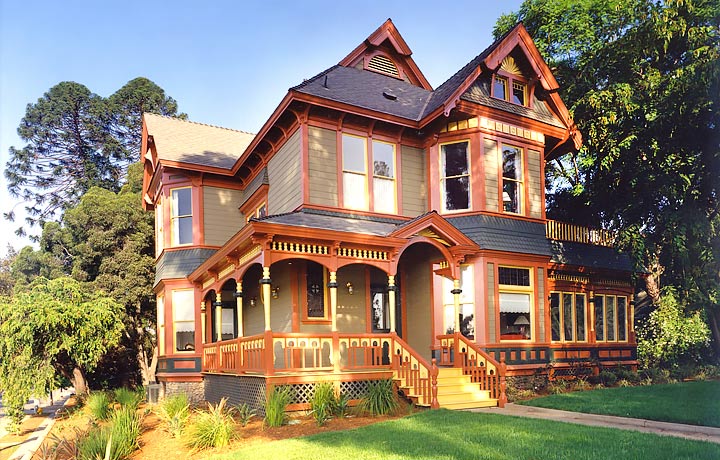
610,318
567,316
512,179
181,218
356,180
455,176
515,301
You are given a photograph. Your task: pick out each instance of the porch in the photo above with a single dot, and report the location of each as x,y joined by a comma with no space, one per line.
466,376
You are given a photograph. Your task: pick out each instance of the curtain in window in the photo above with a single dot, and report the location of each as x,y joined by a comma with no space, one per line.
354,193
384,195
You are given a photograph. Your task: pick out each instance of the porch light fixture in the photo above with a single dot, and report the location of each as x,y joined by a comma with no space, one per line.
252,301
275,292
349,287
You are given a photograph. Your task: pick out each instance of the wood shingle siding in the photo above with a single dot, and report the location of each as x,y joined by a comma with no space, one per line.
534,184
222,218
322,166
414,186
285,175
490,154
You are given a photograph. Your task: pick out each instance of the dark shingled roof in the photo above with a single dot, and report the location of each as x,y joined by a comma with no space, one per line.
587,255
180,263
341,222
497,233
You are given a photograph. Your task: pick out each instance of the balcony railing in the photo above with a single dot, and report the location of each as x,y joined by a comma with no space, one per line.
563,231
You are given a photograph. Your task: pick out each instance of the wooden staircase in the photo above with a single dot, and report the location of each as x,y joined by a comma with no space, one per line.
454,391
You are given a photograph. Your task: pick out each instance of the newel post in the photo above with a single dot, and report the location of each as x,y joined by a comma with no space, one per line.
434,404
502,400
269,353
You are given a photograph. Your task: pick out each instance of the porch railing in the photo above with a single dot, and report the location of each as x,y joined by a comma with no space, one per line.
458,351
271,353
564,231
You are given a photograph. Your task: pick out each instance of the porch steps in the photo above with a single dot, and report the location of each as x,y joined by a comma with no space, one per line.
456,391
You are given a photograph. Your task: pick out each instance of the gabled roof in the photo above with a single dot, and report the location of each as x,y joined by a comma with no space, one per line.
195,144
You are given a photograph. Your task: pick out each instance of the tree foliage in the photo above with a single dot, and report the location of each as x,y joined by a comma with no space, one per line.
642,80
76,140
55,326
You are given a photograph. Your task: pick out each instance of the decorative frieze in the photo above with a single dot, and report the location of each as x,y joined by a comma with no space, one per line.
356,253
493,125
300,248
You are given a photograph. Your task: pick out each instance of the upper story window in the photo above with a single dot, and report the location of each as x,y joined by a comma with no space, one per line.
159,227
512,179
455,176
509,85
356,179
515,298
181,221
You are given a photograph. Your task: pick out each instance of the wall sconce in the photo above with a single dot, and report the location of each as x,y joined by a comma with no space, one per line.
275,292
349,287
253,301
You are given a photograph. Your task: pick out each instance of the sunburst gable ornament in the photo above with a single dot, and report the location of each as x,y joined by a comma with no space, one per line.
508,65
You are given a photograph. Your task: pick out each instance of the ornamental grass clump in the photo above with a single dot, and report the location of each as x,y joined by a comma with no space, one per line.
98,403
380,399
244,414
323,403
275,406
128,398
214,427
175,412
116,441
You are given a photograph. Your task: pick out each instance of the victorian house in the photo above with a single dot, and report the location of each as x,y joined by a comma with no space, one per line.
377,228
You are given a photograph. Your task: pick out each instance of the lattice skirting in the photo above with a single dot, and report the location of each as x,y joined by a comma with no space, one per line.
237,389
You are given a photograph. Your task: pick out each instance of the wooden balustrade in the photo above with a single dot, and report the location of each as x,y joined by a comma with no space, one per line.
457,350
564,231
415,373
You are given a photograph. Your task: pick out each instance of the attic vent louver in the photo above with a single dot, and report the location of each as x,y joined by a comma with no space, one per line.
383,64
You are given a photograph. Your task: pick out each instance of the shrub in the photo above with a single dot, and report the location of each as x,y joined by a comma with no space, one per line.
323,402
212,428
608,378
558,386
624,383
244,414
94,444
342,405
275,406
126,430
174,412
380,399
128,398
98,403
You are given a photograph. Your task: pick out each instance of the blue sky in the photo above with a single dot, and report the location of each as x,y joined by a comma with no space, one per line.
227,63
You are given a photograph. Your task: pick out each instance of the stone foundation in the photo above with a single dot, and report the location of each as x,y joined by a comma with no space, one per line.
195,391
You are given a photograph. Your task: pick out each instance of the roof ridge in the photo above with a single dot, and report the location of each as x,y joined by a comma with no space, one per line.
198,123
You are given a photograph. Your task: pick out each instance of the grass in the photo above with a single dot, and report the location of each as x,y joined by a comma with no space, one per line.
693,403
98,403
444,435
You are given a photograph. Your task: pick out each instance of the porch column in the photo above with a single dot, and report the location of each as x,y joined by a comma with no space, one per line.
591,310
333,285
266,294
218,316
239,306
203,312
631,318
456,291
391,301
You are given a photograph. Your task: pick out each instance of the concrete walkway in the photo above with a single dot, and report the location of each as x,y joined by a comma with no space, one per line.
699,433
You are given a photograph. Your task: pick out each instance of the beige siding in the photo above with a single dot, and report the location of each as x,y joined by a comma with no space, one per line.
491,302
414,178
322,167
535,184
222,218
541,305
418,301
351,309
491,175
284,176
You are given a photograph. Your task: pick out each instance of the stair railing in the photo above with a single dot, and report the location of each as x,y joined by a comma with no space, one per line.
415,372
457,350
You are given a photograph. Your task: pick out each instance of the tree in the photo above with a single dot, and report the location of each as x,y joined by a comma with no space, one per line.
642,81
55,326
77,140
6,279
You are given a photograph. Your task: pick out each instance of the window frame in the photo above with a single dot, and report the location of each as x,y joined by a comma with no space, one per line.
175,218
372,176
510,81
368,174
325,319
616,324
515,289
364,174
574,319
159,227
175,321
519,183
467,299
442,178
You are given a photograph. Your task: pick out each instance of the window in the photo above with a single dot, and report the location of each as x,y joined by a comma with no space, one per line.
355,175
259,212
181,216
161,323
567,316
519,93
159,228
455,176
512,179
316,301
467,303
515,295
227,323
183,306
610,318
500,85
509,84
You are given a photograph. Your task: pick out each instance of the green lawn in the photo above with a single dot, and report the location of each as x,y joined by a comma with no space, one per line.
443,434
694,403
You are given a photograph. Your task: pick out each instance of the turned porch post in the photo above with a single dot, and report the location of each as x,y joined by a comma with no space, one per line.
391,301
239,305
266,294
456,291
591,310
203,312
218,316
333,285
